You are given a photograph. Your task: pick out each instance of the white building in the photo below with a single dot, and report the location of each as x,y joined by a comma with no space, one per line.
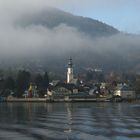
125,93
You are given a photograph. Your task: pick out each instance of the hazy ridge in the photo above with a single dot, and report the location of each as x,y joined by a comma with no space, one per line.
44,39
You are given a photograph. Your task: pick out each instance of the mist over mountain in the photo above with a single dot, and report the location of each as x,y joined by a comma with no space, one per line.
52,17
46,38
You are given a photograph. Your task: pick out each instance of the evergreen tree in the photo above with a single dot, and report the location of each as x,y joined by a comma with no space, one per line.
39,81
137,85
23,80
45,80
9,83
89,76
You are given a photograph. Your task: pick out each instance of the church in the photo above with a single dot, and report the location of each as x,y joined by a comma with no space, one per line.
70,86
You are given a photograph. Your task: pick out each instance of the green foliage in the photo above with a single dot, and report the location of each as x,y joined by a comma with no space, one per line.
1,73
95,76
137,86
89,75
9,83
23,80
42,83
39,81
98,76
45,80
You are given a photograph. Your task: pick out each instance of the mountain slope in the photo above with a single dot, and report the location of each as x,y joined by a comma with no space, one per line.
52,17
48,37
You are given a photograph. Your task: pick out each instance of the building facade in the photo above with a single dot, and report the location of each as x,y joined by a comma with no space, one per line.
125,93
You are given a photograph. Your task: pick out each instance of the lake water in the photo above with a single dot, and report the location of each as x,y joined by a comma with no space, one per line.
69,121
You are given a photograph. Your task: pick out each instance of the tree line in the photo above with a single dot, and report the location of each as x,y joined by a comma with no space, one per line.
19,84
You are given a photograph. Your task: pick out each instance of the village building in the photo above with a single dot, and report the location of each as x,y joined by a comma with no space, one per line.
65,88
125,92
70,75
69,87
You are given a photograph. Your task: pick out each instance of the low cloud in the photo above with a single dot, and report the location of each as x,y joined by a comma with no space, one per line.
38,40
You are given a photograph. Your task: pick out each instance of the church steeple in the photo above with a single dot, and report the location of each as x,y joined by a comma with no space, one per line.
70,63
70,71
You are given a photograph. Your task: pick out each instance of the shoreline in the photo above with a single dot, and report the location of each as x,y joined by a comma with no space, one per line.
57,100
47,100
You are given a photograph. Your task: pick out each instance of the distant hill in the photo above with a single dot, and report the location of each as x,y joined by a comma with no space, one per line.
93,44
52,17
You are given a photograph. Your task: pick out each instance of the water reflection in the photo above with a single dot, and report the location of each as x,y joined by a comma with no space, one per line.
69,121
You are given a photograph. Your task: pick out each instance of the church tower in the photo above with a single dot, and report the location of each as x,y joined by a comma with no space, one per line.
70,71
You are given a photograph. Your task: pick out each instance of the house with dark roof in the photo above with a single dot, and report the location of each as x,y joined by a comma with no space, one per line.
65,88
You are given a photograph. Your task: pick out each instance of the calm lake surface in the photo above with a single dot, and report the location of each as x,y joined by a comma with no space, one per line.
69,121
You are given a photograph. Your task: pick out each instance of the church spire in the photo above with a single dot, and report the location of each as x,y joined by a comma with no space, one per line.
70,71
70,63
